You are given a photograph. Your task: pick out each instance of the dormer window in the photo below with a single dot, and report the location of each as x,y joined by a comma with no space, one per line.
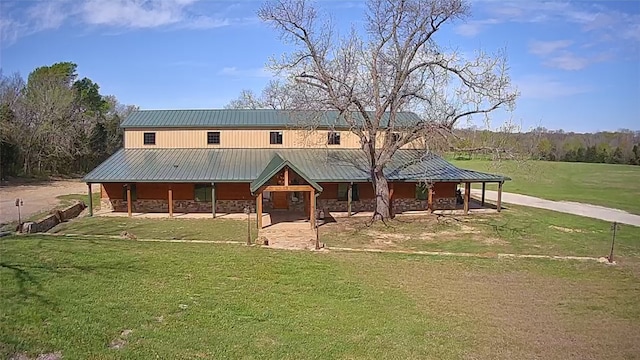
275,137
149,138
333,138
213,138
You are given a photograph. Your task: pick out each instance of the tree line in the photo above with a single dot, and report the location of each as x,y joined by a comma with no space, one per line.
611,147
54,123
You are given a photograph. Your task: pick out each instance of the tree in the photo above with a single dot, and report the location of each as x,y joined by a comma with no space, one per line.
393,64
276,95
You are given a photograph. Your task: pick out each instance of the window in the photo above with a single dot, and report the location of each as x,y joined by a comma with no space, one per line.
333,138
275,137
421,191
150,138
134,193
202,192
395,136
213,137
343,192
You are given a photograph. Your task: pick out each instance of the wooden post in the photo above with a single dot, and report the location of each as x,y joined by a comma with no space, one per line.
259,210
499,202
213,200
90,200
129,200
391,201
286,176
483,189
467,196
312,208
430,198
349,198
170,202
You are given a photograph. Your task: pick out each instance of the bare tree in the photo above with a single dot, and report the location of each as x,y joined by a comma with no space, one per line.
276,95
393,64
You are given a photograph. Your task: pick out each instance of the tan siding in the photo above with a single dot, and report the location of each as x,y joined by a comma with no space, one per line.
197,138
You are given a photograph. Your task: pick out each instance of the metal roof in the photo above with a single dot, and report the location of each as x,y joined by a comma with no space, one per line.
246,165
238,118
276,164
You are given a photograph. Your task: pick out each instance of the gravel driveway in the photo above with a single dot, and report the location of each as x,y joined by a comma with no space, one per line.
592,211
36,197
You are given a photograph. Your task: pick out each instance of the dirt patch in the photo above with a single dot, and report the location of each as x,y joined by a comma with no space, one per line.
45,356
121,341
567,230
38,197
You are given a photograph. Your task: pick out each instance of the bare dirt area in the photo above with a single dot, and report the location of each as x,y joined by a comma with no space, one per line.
36,196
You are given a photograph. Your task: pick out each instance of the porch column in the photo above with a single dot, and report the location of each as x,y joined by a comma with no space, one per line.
129,200
286,176
259,210
170,202
430,198
467,196
349,198
90,200
312,208
213,200
483,188
391,201
499,202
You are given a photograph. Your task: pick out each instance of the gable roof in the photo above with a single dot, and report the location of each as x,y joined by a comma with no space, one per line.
246,165
240,118
274,166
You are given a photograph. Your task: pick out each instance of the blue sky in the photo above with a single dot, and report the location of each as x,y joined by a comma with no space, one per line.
576,64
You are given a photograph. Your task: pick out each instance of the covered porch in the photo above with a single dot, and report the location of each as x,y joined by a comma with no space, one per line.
280,177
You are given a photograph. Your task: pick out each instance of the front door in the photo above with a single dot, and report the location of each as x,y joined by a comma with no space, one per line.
279,199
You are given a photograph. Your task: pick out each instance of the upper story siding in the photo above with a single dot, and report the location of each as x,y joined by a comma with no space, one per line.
241,138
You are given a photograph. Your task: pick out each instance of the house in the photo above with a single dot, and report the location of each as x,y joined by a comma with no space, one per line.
223,161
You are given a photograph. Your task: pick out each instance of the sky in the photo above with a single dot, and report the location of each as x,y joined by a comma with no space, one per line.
576,64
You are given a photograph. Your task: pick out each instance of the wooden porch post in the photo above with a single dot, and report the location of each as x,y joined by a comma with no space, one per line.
483,189
259,210
286,176
90,200
391,201
129,200
213,200
349,198
430,198
499,202
170,201
467,196
312,208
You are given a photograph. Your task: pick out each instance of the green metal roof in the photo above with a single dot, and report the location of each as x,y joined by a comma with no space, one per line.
246,165
274,166
236,118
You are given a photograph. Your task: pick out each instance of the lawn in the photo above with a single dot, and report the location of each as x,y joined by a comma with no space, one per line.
517,229
81,297
616,186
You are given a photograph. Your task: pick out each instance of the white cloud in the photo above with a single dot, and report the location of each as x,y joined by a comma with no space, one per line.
547,47
18,22
474,27
544,87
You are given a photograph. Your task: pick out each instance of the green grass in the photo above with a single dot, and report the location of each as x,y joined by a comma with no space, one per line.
163,229
616,186
519,230
186,300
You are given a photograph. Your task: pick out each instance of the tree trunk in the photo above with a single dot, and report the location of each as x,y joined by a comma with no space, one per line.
381,190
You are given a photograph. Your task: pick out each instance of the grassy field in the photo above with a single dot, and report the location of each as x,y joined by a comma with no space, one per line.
163,229
122,299
518,230
616,186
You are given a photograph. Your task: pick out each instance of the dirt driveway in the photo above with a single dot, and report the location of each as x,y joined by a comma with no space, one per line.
40,196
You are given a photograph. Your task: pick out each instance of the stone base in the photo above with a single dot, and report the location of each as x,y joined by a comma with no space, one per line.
179,206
